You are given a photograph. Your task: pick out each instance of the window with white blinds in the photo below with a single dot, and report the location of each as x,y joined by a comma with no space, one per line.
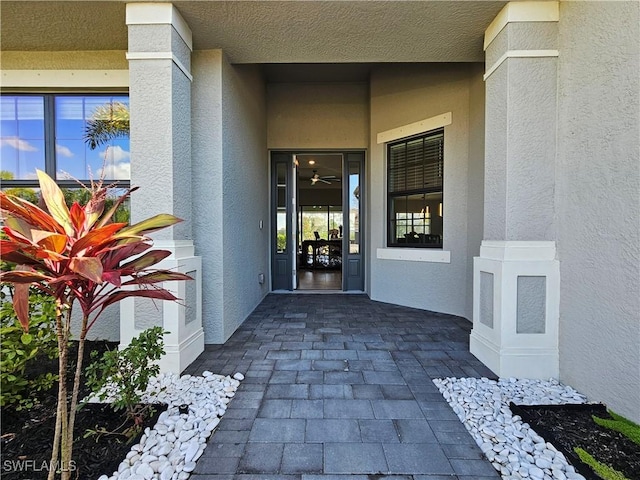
415,181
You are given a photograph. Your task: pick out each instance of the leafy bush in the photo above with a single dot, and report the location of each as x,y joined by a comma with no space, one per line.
123,375
19,349
621,425
602,470
78,255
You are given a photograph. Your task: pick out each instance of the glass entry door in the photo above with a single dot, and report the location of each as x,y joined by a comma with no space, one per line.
316,239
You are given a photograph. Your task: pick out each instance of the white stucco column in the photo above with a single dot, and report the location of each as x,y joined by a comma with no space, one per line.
516,277
159,57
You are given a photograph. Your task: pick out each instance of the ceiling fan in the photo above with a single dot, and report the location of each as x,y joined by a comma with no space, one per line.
324,179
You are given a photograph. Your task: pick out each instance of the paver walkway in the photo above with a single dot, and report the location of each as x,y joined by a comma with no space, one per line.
339,386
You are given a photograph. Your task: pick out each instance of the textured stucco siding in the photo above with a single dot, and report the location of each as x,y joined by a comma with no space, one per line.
207,185
521,131
77,60
245,192
475,177
598,198
400,96
230,188
317,116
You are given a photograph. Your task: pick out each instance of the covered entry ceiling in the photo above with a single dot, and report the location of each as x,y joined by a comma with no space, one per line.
270,31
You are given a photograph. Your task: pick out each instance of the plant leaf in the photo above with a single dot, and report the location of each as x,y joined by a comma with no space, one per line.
77,216
157,277
113,277
54,199
158,294
29,212
14,256
21,304
149,225
53,242
49,255
88,267
20,240
23,277
107,216
96,238
94,207
19,225
118,253
146,260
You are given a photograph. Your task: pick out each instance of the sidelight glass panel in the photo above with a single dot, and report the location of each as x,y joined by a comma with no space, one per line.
281,213
354,207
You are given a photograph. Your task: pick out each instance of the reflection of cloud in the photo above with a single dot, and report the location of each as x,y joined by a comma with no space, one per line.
115,154
117,164
121,171
63,151
18,144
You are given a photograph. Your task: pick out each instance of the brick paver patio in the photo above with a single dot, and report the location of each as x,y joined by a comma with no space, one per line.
339,387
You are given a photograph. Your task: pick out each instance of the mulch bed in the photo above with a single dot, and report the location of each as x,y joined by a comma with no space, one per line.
27,435
569,426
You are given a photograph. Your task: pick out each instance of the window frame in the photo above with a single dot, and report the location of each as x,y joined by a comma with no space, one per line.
50,163
391,221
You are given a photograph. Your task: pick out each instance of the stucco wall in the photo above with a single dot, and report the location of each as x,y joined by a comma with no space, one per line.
401,95
520,132
304,115
598,199
81,60
230,185
475,177
245,190
206,187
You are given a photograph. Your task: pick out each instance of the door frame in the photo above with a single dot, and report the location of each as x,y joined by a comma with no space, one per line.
280,261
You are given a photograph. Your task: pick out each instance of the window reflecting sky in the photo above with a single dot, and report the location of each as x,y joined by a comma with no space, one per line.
22,138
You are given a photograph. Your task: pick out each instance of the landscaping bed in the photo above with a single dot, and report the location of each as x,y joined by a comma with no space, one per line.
27,435
570,426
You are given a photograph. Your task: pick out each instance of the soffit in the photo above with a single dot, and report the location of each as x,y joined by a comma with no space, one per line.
267,31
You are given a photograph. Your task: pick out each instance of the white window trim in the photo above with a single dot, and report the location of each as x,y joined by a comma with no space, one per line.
65,78
431,255
416,128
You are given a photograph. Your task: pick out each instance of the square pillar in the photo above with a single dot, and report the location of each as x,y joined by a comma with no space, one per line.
516,309
159,55
516,281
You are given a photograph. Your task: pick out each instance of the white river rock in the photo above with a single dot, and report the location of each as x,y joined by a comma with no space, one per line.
513,448
170,450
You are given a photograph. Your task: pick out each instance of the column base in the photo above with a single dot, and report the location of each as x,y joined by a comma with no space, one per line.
538,363
178,357
182,319
516,289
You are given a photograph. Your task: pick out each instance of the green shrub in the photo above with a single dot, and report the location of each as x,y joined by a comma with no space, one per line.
20,349
128,371
604,471
621,425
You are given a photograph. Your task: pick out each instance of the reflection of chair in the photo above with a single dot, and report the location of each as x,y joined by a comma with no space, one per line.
317,235
333,234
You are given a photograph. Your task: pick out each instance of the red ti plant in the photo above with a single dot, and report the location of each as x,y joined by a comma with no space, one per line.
80,258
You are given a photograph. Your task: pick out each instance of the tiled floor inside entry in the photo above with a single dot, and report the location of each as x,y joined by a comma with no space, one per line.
339,387
319,280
